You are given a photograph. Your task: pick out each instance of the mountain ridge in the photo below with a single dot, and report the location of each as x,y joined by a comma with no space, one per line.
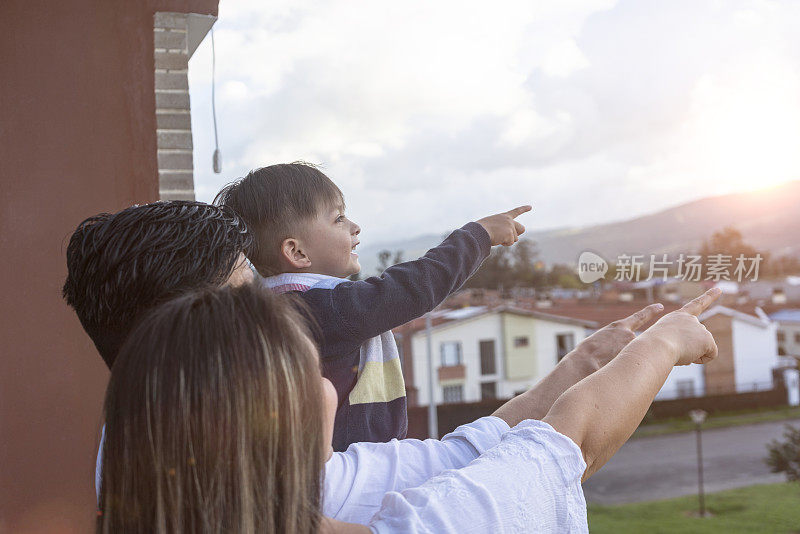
769,220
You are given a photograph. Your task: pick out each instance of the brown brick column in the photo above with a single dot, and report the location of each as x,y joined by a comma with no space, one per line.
173,116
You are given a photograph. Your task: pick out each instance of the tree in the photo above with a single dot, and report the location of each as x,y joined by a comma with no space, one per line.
524,256
563,276
784,265
729,242
495,272
518,266
784,456
385,259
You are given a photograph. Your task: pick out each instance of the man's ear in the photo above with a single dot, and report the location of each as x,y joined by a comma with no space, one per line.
293,254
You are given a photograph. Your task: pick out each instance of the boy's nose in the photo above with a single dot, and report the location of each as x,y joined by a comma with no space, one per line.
356,229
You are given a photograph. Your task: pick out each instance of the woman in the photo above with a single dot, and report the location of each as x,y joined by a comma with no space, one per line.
218,420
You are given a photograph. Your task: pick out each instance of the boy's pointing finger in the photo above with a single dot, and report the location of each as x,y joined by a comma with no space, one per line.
701,303
516,212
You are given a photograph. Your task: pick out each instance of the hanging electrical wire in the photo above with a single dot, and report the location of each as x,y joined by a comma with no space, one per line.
217,159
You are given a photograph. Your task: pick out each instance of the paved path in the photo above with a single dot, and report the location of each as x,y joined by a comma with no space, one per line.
661,467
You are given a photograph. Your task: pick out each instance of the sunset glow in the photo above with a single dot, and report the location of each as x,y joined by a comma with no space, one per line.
745,130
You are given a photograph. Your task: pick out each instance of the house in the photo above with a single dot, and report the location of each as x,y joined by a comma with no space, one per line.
480,352
748,351
788,335
788,339
776,292
746,338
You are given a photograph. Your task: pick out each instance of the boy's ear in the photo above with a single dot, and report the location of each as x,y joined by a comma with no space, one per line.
292,253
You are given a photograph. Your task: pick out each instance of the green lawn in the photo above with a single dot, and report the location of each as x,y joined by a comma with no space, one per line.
722,420
760,509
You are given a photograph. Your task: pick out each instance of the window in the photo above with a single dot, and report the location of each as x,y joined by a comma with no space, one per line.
564,343
488,390
781,336
451,353
453,393
685,387
521,341
488,366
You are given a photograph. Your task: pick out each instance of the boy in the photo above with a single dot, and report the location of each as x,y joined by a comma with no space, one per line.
304,243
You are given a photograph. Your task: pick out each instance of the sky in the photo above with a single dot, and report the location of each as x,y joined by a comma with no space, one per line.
430,114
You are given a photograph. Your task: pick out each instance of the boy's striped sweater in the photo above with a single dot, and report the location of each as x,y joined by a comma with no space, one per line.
357,348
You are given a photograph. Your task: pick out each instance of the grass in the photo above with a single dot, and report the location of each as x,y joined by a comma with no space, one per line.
721,420
770,508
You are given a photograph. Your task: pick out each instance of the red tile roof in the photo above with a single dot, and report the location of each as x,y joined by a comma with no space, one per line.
600,312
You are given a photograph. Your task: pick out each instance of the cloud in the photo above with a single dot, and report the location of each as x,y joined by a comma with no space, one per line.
431,114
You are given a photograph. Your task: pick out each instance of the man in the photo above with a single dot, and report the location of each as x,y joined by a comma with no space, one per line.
121,265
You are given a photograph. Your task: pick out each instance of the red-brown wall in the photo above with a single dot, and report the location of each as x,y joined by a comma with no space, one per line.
77,137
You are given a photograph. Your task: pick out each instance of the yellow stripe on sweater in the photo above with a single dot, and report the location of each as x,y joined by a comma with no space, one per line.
379,382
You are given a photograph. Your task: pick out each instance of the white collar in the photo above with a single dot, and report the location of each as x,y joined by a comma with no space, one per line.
303,280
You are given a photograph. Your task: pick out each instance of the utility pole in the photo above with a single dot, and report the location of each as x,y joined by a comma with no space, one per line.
698,416
433,420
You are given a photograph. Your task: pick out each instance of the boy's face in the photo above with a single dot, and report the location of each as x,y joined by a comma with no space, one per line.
329,242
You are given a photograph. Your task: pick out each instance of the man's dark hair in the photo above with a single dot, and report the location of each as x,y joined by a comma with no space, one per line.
123,264
274,201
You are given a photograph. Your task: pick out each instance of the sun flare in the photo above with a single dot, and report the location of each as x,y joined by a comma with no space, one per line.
746,129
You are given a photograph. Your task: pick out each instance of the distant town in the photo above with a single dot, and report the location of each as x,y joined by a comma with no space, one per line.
516,319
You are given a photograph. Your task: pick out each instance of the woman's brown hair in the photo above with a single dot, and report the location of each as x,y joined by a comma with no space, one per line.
214,420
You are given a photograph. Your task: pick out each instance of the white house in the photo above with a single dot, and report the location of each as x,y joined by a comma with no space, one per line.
480,353
683,381
748,351
483,353
788,335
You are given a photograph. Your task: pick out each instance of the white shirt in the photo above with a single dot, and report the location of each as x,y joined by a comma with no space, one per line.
98,465
530,482
357,479
482,477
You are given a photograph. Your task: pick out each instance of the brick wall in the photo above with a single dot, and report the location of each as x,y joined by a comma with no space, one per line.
719,374
173,117
79,131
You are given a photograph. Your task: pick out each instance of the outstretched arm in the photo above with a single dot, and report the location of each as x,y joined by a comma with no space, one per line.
600,412
408,290
414,463
590,355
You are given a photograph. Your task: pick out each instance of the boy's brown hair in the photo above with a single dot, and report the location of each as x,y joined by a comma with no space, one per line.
273,201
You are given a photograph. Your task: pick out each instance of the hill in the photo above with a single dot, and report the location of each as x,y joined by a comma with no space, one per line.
769,220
